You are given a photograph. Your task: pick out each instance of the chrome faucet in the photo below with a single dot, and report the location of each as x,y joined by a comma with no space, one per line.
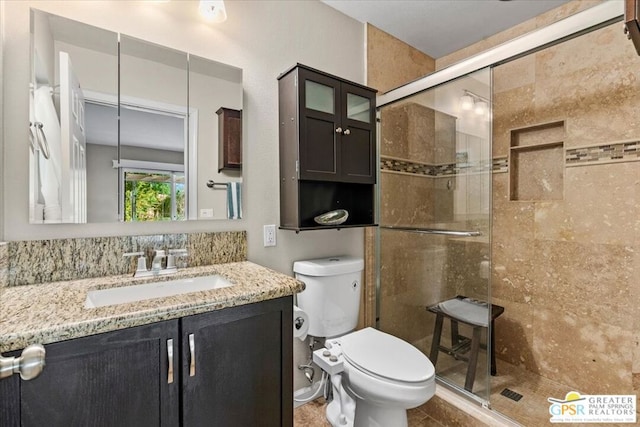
156,264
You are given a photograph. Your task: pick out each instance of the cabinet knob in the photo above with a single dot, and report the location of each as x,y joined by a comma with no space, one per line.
29,365
347,132
339,130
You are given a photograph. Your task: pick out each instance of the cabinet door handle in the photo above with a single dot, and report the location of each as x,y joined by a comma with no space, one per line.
339,130
347,132
170,361
29,365
192,350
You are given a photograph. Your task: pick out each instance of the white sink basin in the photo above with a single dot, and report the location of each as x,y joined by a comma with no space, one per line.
124,294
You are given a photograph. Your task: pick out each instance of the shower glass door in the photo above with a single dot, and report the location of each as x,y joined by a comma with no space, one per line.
434,207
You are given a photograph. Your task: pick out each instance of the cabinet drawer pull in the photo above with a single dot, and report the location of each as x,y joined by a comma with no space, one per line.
347,132
170,361
192,350
339,130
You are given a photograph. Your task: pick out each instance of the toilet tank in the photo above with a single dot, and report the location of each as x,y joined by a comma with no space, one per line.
331,298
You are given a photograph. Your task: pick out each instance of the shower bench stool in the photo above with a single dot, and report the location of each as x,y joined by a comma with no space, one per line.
470,312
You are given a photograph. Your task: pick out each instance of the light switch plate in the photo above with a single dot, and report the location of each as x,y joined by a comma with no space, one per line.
269,235
206,213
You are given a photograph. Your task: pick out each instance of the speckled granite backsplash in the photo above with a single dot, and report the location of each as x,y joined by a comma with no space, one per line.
4,264
40,261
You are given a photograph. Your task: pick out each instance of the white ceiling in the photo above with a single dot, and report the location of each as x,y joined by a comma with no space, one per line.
439,27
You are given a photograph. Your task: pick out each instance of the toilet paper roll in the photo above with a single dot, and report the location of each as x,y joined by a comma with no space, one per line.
300,323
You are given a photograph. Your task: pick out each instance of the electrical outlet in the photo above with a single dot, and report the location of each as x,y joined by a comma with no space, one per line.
269,235
206,213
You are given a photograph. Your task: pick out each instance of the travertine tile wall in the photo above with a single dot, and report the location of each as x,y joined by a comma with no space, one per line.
390,63
567,270
39,261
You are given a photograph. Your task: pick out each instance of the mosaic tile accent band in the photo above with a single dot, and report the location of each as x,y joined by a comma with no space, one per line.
625,151
406,166
40,261
603,153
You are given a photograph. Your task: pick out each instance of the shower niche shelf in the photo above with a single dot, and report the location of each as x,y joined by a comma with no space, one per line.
536,162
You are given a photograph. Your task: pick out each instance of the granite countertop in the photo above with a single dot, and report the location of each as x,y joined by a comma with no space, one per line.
52,312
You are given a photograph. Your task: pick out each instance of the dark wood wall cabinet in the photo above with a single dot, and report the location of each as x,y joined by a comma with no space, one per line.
229,139
632,22
327,149
231,367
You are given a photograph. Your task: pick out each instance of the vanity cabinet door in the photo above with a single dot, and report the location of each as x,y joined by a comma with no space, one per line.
10,399
117,378
237,366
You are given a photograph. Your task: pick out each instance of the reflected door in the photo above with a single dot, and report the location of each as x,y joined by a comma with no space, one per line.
73,145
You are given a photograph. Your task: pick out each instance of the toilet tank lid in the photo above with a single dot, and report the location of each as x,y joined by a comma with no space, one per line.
330,266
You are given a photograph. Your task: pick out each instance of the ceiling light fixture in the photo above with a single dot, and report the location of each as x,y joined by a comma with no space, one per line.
213,10
470,101
466,102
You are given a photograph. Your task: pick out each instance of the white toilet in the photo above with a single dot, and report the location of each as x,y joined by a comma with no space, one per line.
376,377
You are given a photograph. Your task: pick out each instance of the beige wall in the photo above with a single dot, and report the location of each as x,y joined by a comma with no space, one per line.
263,38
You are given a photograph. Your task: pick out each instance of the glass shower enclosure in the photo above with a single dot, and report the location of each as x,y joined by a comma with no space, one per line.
435,221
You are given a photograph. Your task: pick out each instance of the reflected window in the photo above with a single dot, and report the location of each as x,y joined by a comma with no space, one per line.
153,195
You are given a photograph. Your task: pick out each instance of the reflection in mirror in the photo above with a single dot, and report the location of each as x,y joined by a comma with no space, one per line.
155,162
212,86
71,62
154,125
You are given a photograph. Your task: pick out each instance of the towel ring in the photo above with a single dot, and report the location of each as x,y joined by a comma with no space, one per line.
42,140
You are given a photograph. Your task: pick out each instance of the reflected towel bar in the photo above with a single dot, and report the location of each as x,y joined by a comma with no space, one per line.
433,231
212,184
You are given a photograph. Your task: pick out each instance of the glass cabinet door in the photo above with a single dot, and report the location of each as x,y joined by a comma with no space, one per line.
319,97
358,108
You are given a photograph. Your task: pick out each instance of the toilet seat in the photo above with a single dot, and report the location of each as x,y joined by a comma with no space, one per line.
386,357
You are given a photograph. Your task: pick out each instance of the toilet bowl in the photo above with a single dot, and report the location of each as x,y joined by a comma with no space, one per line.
375,376
382,375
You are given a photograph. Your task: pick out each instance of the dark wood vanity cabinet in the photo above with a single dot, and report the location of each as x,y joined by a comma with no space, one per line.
229,139
241,361
327,148
116,378
242,371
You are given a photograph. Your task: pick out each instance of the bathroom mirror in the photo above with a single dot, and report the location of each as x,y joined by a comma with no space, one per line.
154,163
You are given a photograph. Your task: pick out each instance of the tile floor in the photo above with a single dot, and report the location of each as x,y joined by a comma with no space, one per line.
530,411
312,415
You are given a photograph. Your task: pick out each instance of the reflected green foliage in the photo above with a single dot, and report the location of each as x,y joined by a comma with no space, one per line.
151,200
